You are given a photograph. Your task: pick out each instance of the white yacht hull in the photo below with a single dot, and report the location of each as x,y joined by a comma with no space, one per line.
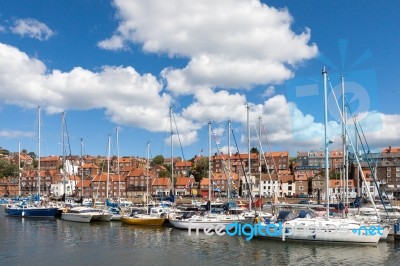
335,230
76,217
205,222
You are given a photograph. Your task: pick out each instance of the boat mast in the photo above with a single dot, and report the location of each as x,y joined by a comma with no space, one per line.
39,151
118,171
326,143
359,186
19,168
259,159
63,150
249,160
209,161
229,160
344,158
82,171
172,150
147,176
108,166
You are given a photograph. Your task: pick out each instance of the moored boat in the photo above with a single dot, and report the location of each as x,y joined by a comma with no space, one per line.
77,214
28,210
142,219
82,214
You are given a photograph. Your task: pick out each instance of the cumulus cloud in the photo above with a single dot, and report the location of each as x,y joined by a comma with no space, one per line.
229,43
270,91
216,106
15,134
182,138
127,97
114,43
380,130
32,28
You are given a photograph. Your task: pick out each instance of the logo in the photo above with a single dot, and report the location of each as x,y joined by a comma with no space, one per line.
372,230
280,230
360,91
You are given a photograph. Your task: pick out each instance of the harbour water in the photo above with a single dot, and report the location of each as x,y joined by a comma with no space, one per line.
34,241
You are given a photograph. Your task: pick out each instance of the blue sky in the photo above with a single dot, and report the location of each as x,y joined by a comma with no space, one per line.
123,64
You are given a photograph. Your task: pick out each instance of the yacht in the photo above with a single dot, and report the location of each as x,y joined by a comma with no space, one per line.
86,214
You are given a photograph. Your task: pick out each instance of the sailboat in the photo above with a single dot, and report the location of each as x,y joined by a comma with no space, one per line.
25,209
209,220
144,218
85,214
115,208
327,229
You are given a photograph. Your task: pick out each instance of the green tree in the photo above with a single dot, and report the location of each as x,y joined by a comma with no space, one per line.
164,173
200,169
158,160
254,150
4,151
7,169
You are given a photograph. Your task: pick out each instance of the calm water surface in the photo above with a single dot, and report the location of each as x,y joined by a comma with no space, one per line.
30,241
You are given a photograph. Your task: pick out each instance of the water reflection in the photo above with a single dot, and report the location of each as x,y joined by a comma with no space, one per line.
55,242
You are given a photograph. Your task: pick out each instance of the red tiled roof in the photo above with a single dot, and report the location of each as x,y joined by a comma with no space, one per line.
137,172
86,184
183,164
161,181
183,181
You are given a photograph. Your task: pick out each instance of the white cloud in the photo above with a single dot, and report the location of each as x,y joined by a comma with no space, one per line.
114,43
218,131
32,28
216,106
380,130
184,139
131,99
270,91
14,134
127,97
2,29
229,43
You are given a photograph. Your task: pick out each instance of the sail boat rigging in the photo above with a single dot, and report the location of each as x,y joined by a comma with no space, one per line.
144,218
323,228
30,210
200,222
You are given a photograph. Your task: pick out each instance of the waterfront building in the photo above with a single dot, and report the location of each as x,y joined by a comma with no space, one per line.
57,185
182,168
137,181
302,184
118,185
84,188
161,186
183,186
270,184
50,162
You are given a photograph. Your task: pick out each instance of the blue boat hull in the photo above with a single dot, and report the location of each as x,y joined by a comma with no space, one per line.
32,212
